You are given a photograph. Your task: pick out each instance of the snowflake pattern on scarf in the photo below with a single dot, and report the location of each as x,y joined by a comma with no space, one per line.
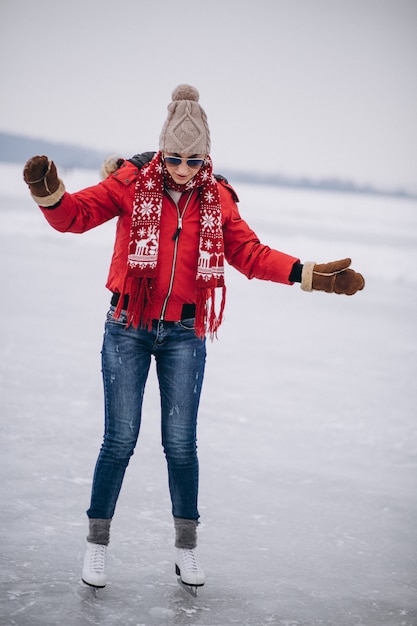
144,243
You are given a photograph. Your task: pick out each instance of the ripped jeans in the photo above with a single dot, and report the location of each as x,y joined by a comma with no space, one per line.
180,360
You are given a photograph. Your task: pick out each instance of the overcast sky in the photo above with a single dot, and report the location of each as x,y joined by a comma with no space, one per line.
301,87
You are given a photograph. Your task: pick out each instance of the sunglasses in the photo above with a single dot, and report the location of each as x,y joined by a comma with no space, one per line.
175,161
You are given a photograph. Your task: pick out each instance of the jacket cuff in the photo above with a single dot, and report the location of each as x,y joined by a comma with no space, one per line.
49,201
307,276
296,273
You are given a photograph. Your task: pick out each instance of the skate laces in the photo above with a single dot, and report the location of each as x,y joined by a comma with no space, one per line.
98,557
189,560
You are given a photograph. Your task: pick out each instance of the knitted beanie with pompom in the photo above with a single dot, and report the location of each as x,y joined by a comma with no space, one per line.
185,130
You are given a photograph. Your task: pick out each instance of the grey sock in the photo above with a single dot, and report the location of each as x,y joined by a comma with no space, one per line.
99,531
185,533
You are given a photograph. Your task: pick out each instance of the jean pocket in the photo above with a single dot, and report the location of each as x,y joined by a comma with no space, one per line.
187,324
111,319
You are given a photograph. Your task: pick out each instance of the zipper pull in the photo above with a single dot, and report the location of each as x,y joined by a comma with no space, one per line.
179,228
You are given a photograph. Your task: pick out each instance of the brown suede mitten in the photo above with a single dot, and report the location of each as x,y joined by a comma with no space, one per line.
334,277
41,176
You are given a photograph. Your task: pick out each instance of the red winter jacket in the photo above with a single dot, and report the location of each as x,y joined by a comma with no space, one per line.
81,211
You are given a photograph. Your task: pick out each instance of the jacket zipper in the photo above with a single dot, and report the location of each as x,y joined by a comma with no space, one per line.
175,238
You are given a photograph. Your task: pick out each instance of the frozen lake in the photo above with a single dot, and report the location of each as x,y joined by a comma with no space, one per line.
307,431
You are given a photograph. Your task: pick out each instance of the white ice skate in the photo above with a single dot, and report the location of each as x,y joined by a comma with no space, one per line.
189,570
94,566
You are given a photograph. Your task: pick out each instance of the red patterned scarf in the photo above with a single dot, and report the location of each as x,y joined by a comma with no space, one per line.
144,246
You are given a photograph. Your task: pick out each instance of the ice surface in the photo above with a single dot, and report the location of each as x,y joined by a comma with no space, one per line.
307,433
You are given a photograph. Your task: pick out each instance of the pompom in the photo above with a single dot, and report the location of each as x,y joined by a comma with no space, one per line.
185,92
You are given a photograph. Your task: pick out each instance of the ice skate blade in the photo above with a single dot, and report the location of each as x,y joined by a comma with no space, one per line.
192,590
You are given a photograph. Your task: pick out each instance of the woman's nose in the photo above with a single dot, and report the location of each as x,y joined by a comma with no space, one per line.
183,168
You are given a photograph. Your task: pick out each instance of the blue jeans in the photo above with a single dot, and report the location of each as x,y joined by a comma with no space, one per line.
180,360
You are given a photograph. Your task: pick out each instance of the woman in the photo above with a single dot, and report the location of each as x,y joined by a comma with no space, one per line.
177,223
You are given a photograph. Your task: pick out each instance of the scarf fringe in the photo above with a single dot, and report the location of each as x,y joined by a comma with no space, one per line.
140,298
207,322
